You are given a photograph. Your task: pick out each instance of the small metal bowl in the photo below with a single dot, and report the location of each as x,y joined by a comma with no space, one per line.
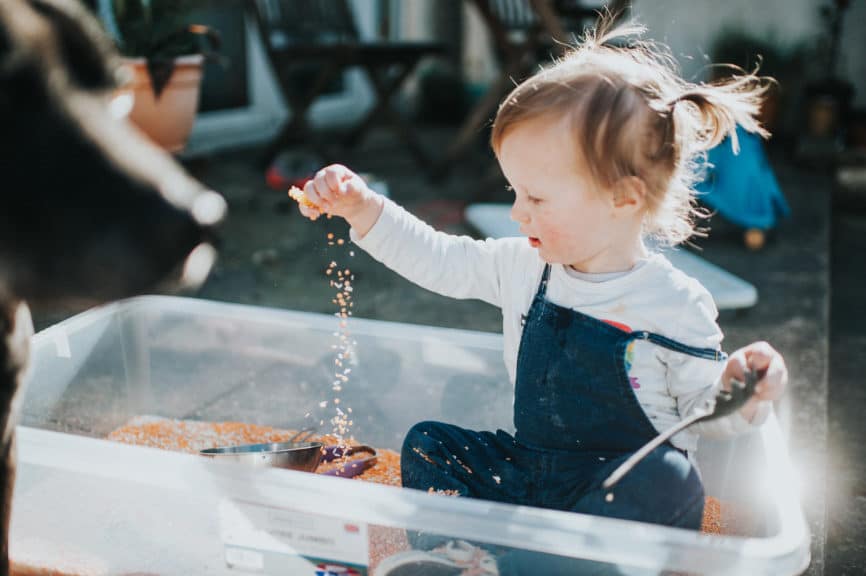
304,456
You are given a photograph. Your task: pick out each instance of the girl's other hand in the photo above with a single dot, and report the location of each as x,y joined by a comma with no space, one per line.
767,362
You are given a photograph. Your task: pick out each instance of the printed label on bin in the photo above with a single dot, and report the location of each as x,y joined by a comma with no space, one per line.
272,540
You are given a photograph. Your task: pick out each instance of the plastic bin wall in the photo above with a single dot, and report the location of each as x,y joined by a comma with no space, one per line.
92,506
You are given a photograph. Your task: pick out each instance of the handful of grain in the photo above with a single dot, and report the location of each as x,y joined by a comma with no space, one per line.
298,196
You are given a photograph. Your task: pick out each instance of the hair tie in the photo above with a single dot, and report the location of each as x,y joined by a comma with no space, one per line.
672,105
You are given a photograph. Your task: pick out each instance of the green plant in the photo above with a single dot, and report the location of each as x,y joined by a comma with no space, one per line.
160,31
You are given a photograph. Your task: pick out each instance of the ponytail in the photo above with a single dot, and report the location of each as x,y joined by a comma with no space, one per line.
713,111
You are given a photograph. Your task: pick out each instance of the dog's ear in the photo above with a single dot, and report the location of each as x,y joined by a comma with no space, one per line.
91,61
6,49
5,39
5,45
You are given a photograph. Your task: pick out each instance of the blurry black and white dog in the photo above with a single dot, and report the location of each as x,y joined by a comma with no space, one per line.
91,211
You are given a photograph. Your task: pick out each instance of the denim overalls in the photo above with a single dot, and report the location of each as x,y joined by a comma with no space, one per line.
576,418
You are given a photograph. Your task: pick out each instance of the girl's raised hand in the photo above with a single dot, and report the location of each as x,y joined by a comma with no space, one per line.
335,190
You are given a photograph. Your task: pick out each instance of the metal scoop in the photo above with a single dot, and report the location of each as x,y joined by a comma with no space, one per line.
303,456
724,403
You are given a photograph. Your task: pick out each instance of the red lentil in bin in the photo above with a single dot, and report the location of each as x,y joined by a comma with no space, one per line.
191,436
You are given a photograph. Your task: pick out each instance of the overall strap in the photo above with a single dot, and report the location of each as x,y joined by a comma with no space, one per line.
545,276
665,342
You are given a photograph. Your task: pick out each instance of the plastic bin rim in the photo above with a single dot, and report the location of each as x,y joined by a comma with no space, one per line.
786,552
786,546
247,312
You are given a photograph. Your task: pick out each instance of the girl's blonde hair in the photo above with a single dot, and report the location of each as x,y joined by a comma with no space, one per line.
632,115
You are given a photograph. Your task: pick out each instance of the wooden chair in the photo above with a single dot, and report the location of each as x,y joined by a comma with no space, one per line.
524,33
310,43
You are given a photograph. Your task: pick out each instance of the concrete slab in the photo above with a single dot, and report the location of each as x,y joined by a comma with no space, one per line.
846,490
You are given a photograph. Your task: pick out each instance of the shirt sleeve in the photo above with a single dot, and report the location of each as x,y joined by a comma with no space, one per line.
692,381
454,266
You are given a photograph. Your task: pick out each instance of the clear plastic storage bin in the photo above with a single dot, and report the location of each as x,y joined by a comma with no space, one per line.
85,505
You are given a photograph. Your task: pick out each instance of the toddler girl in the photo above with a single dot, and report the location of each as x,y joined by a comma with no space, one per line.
605,341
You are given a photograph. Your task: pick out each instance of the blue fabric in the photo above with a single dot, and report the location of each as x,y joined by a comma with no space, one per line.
576,418
742,187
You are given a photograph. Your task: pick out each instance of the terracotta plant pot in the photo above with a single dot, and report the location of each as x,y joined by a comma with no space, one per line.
167,120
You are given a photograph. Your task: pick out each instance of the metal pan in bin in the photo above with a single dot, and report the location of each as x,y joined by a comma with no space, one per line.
304,456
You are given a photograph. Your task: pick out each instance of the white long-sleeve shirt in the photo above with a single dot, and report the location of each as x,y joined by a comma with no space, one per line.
653,296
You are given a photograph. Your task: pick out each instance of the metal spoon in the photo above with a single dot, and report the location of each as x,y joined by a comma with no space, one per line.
724,403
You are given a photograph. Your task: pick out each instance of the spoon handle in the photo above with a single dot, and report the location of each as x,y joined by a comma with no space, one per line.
632,460
716,409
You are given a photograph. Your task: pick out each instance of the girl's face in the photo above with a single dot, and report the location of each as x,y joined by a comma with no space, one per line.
566,217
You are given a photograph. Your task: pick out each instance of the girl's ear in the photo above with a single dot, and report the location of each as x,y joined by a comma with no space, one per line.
629,192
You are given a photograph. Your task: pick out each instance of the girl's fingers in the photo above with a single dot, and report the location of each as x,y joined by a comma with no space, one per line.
355,185
773,384
323,190
313,195
760,355
333,175
736,367
765,360
308,212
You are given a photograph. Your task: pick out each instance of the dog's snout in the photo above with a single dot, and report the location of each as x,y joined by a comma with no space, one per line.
197,266
208,208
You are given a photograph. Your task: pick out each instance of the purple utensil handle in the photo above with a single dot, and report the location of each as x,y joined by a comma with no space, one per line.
349,469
